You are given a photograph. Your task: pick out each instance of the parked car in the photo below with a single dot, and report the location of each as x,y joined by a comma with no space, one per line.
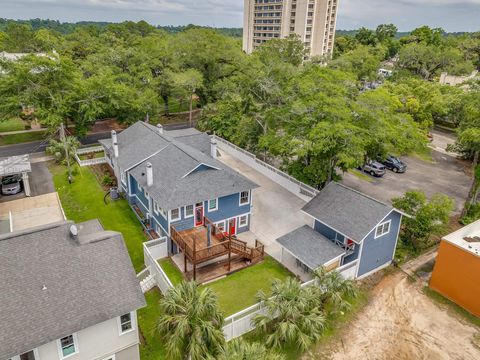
395,164
11,185
374,168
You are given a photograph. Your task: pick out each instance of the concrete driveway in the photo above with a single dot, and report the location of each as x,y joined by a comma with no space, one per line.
275,211
446,175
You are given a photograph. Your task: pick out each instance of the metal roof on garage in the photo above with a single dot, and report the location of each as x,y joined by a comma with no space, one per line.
15,165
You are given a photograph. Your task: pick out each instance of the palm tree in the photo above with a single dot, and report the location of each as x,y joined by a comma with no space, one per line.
191,322
334,290
239,349
292,315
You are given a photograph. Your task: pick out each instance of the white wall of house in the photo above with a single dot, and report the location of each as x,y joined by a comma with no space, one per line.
99,342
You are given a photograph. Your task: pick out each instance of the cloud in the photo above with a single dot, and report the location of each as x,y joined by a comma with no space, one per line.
452,15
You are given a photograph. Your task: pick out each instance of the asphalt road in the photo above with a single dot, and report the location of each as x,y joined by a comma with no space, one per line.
40,146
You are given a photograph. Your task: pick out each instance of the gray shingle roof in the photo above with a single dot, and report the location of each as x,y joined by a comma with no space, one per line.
88,281
173,188
346,210
173,155
310,247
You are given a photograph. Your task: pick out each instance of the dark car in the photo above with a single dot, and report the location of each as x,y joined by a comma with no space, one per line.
11,185
374,168
395,164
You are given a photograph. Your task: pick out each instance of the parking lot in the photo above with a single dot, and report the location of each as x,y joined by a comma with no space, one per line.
445,174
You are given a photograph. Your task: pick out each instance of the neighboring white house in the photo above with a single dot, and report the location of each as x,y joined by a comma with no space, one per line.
68,292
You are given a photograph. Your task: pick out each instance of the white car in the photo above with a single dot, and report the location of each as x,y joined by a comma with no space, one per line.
11,185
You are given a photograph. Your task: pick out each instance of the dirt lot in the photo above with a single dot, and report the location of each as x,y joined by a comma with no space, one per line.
401,322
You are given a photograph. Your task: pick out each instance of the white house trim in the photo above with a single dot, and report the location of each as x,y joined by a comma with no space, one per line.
246,224
141,202
374,270
398,233
153,217
179,215
196,167
389,222
216,205
249,198
35,354
133,322
359,259
75,342
185,212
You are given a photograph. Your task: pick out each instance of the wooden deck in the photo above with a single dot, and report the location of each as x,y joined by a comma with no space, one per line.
218,269
206,243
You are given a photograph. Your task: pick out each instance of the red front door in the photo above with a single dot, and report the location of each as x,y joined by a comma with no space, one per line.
232,226
199,214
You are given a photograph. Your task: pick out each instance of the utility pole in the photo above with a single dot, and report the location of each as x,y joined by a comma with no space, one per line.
67,157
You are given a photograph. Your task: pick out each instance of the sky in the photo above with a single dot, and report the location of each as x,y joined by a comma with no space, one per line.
451,15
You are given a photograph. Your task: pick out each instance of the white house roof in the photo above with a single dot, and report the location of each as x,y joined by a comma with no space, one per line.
467,238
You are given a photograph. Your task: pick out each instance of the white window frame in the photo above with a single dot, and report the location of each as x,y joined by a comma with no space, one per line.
216,205
179,214
240,198
185,211
75,343
111,357
132,321
381,227
123,177
221,223
35,354
240,221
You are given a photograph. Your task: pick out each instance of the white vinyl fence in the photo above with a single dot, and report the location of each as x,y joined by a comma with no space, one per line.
302,190
241,323
235,325
90,150
152,251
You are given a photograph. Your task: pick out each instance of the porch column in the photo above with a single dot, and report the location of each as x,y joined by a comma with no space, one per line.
26,184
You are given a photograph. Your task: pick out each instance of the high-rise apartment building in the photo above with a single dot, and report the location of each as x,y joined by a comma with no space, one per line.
313,20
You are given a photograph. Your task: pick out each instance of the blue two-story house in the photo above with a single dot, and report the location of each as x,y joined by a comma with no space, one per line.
349,230
173,179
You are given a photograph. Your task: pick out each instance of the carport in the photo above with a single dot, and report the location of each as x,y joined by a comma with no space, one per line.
17,165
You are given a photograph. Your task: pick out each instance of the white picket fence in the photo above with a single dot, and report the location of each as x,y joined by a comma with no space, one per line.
89,150
237,324
152,251
300,189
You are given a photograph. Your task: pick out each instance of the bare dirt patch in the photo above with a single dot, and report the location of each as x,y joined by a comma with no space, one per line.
400,322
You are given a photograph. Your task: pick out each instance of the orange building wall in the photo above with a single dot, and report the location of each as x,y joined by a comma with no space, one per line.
456,276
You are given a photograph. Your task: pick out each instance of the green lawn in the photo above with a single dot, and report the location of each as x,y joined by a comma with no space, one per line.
151,348
14,124
171,270
22,137
83,200
237,291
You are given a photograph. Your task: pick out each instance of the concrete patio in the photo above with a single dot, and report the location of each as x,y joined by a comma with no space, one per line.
275,212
